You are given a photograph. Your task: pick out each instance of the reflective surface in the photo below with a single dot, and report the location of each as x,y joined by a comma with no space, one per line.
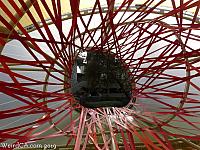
102,81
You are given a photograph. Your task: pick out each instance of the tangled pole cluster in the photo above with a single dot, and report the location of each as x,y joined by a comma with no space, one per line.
159,47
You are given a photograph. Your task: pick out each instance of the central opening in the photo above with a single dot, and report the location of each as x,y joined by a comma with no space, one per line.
100,80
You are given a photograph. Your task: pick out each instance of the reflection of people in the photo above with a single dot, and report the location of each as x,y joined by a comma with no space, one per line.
92,73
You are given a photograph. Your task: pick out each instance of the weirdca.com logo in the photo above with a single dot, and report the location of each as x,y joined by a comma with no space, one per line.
27,145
